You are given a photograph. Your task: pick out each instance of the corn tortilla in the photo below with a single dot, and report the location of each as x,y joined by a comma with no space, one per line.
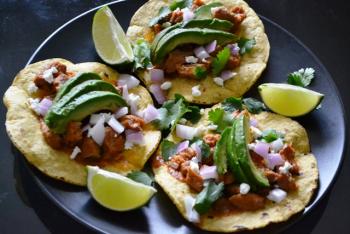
250,69
23,127
295,202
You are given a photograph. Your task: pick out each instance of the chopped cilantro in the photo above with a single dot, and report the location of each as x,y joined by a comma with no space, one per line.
193,115
141,177
205,148
253,105
180,4
270,135
302,78
142,53
220,61
200,72
208,196
245,45
231,104
168,149
221,118
162,13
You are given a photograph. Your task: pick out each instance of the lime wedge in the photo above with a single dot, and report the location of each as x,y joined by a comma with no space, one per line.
117,192
109,38
289,100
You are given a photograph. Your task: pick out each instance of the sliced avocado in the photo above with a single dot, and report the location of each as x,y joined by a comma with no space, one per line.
80,89
254,175
182,36
232,158
83,106
218,24
80,78
220,158
204,12
161,34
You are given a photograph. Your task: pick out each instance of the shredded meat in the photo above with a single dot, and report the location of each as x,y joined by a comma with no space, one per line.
90,149
188,70
257,159
222,206
176,17
42,84
249,201
236,15
157,28
284,181
194,180
227,178
175,58
52,139
73,134
60,75
232,189
196,4
113,144
59,80
132,122
288,154
61,68
183,156
233,62
211,139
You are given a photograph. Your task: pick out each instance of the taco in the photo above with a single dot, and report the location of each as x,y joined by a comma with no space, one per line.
204,50
235,171
63,116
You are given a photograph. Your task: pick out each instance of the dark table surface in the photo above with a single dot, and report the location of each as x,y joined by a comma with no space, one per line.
321,25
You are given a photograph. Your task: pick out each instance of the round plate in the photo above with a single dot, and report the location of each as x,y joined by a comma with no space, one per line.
326,127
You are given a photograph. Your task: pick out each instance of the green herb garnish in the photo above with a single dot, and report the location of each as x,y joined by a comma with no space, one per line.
162,13
221,118
220,61
245,45
200,72
141,177
205,148
253,105
142,53
270,135
302,78
180,4
168,149
208,196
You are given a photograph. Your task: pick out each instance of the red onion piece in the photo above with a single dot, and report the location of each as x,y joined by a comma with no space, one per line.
211,47
125,92
133,138
185,132
75,152
187,14
121,112
191,213
234,49
156,75
201,53
253,122
44,106
133,100
277,145
97,132
198,151
227,74
157,93
118,127
128,80
150,113
182,146
208,172
274,160
262,149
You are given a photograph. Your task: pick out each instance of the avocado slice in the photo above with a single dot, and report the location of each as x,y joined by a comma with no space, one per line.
232,158
161,34
83,106
254,175
80,78
204,12
220,152
78,90
182,36
218,24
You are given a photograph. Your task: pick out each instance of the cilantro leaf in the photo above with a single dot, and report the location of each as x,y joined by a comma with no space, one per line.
302,77
200,72
245,45
204,12
231,104
162,13
141,177
208,196
205,148
220,61
221,118
193,114
180,4
142,53
270,135
253,105
168,149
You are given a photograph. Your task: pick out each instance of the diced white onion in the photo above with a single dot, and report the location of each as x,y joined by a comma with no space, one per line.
185,132
94,118
244,188
195,91
198,151
277,195
32,88
285,168
133,101
191,214
128,80
182,146
125,92
219,81
121,112
166,85
227,74
256,132
208,172
118,127
48,76
201,53
150,113
211,47
187,14
274,160
194,165
156,75
97,132
191,59
75,152
157,93
277,145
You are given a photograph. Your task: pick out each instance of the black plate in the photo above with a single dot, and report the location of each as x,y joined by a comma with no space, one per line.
326,127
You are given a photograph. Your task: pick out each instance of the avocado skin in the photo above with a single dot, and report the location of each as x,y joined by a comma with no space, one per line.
220,158
82,107
72,82
182,36
253,174
232,158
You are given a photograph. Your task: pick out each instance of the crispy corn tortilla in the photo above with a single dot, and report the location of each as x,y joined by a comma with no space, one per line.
23,127
252,64
295,202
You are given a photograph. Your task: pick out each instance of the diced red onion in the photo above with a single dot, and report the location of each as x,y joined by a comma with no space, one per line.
182,146
125,92
44,106
262,149
121,112
187,14
274,160
198,151
277,145
234,49
97,132
208,172
157,93
191,214
201,53
227,74
133,138
156,75
253,122
150,113
277,195
211,47
133,103
75,152
118,127
128,80
185,132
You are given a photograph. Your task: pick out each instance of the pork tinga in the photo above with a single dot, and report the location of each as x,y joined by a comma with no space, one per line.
235,170
196,46
79,115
